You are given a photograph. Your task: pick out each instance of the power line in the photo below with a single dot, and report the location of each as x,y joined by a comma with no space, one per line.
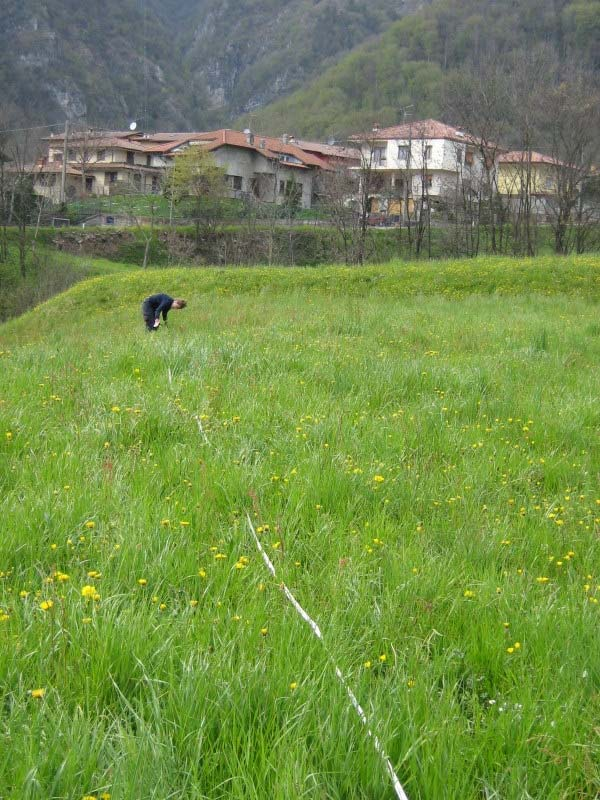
33,128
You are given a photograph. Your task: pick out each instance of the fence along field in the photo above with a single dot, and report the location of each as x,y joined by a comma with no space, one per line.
422,447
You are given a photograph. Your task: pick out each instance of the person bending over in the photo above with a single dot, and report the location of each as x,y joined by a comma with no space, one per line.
158,304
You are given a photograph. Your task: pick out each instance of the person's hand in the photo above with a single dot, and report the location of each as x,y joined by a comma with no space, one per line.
156,323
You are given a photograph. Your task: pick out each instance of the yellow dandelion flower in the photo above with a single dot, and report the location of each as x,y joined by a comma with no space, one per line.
293,686
469,594
38,693
46,605
90,524
367,665
378,478
202,573
264,631
383,658
86,620
88,592
142,581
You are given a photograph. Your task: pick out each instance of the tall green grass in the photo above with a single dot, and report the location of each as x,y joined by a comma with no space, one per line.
418,448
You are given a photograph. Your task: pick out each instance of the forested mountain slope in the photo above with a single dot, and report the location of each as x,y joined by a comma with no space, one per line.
169,63
105,62
404,70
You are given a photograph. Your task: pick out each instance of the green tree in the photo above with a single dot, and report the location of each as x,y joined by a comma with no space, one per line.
197,179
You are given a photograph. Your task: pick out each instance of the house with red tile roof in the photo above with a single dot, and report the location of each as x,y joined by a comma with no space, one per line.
265,168
541,172
425,163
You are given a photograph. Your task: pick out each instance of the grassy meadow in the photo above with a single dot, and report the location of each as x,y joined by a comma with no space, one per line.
418,449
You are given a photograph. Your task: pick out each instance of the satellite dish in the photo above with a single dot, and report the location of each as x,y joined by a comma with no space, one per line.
132,126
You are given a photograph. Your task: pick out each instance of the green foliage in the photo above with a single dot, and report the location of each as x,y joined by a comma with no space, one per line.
407,64
200,63
418,445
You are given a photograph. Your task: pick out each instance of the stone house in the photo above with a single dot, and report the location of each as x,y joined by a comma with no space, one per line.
268,169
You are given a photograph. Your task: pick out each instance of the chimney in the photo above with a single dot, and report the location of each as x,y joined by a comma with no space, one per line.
263,144
249,136
375,127
285,138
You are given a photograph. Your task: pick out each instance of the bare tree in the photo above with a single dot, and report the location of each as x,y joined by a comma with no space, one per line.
478,98
338,189
19,199
571,122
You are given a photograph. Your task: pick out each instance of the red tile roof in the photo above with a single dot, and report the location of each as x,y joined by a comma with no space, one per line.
50,168
328,150
268,146
524,156
167,143
419,129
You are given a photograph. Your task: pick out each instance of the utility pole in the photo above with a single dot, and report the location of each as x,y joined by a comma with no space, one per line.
63,176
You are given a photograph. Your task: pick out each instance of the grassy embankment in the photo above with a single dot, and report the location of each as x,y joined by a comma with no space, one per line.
46,274
422,445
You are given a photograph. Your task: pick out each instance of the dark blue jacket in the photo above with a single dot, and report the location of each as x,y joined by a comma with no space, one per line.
158,304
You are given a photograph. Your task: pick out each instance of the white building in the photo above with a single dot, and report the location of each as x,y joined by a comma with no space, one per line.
423,163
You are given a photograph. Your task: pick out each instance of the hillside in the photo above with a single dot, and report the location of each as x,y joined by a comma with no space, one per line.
406,67
419,485
171,65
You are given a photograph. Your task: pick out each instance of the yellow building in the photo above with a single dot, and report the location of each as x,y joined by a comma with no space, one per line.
523,172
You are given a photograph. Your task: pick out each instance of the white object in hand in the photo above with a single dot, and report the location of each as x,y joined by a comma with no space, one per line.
156,323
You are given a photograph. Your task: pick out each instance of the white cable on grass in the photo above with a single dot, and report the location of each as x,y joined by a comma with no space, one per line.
201,429
400,793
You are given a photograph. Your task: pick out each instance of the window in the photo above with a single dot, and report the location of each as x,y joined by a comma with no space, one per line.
101,155
148,161
235,181
403,152
469,156
281,187
89,183
398,184
155,184
130,158
57,157
549,182
379,155
110,177
428,181
428,151
71,155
